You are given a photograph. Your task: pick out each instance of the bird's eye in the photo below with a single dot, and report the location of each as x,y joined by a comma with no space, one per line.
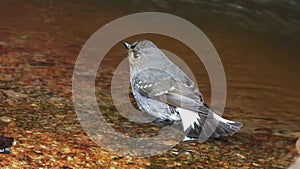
136,55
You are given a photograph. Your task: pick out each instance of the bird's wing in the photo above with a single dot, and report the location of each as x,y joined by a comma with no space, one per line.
160,85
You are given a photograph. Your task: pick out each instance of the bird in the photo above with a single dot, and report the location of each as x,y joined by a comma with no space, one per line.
161,89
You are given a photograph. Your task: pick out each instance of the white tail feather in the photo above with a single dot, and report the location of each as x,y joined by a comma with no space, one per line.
188,118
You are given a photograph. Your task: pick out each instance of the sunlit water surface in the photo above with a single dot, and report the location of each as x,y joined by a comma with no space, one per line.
258,43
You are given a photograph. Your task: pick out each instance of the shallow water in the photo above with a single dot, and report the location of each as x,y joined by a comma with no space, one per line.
258,43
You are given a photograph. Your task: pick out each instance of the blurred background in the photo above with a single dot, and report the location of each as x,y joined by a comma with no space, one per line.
258,42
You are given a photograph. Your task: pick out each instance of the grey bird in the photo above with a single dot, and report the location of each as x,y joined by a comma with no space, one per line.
163,90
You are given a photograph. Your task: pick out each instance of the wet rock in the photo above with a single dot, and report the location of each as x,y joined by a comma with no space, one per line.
5,144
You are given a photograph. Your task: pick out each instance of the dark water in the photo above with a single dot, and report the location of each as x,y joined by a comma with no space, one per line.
258,42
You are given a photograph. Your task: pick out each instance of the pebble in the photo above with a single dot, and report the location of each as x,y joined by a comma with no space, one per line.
188,152
33,105
255,164
66,150
240,156
69,158
2,43
5,119
175,152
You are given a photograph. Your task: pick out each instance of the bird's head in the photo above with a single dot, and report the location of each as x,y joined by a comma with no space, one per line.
144,54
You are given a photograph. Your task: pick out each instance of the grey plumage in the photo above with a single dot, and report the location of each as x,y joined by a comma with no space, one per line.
163,90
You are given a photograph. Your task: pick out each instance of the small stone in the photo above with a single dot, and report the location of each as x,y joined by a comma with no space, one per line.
240,156
2,43
69,158
5,119
114,157
255,164
175,152
66,150
25,37
30,146
33,105
188,152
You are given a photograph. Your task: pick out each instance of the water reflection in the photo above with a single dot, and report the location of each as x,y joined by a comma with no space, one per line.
257,40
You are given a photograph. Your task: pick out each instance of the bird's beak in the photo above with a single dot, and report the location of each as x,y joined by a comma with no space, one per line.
127,45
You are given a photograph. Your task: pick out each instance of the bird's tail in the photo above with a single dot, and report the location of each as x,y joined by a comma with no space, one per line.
225,127
212,126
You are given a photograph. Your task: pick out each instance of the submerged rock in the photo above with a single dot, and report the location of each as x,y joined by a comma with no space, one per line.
5,144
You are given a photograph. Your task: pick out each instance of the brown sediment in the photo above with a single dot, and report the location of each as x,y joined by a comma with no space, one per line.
48,134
